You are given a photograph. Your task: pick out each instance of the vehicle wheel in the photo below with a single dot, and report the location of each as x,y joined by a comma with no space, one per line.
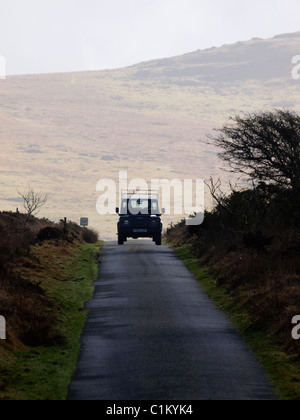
158,240
120,240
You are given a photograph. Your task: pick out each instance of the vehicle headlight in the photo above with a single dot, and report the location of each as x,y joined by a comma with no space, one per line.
154,222
126,222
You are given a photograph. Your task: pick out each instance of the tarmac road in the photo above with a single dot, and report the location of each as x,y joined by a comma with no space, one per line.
153,334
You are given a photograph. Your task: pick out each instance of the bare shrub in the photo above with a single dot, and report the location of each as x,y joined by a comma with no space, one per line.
90,236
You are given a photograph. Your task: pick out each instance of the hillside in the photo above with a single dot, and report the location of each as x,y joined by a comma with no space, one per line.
63,132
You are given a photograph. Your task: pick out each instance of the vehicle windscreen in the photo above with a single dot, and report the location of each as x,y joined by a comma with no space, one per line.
136,206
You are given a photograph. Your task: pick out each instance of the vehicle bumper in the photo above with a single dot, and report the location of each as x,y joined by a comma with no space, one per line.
139,232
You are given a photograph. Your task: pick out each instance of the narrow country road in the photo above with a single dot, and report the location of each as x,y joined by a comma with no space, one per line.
153,334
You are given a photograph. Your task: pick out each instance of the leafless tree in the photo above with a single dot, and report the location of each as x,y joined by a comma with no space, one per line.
33,201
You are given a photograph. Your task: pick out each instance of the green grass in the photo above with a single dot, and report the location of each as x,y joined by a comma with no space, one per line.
44,373
282,369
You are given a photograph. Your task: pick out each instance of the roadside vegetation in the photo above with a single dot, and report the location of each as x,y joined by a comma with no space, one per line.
247,251
46,275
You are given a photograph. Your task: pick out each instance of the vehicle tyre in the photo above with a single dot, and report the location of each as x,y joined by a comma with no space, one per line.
120,240
158,240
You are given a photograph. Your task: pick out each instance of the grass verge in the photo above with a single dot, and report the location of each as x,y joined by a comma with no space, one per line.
282,369
44,372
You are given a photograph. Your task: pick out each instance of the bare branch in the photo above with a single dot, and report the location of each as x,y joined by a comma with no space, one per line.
33,201
218,195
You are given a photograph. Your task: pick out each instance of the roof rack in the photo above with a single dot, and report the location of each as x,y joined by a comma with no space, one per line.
140,192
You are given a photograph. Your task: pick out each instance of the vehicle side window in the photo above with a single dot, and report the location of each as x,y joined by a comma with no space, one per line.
124,207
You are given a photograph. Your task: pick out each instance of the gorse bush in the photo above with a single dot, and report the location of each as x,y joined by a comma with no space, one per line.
50,233
90,236
15,238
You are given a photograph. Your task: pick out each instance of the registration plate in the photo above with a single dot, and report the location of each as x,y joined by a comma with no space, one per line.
140,230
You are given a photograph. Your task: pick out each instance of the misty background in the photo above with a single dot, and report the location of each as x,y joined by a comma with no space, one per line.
49,36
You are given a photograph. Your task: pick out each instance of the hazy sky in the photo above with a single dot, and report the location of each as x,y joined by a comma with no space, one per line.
44,36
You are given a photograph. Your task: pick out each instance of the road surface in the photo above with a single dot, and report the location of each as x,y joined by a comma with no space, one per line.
153,334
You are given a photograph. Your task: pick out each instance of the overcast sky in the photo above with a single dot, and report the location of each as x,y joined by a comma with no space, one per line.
45,36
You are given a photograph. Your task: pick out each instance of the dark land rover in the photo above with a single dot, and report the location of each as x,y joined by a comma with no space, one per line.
139,217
